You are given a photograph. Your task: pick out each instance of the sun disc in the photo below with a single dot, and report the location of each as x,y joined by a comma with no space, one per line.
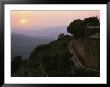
23,21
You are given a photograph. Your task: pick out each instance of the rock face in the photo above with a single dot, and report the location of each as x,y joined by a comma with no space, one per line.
92,47
86,53
78,58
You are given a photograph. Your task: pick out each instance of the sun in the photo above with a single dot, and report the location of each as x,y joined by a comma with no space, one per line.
23,21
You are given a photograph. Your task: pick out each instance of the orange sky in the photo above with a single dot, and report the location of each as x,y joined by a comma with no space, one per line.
26,19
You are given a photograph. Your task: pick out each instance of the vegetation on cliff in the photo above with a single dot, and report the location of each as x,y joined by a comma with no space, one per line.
76,27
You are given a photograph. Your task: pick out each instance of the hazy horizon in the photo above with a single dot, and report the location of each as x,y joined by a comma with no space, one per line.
42,23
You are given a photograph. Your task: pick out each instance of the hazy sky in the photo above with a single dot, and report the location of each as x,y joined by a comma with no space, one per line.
26,20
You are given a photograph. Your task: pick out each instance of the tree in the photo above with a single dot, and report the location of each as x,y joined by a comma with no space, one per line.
61,35
91,21
76,27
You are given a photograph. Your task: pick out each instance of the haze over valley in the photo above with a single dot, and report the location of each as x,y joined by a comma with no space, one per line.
26,41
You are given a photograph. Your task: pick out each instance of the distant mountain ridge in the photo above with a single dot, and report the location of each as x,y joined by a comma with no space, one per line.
49,32
22,45
24,41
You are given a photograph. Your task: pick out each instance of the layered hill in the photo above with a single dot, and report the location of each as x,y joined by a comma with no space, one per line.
23,45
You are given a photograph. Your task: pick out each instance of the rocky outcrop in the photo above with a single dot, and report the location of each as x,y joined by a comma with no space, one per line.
72,49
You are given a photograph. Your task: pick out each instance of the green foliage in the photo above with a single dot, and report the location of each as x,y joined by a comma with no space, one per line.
50,59
54,57
91,21
61,35
76,27
16,63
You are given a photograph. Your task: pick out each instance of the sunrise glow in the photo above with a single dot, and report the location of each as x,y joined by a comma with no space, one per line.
23,21
43,19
